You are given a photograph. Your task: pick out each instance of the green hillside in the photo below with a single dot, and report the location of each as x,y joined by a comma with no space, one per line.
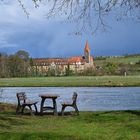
130,59
118,65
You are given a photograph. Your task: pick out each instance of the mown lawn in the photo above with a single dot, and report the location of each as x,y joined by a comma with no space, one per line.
73,81
115,125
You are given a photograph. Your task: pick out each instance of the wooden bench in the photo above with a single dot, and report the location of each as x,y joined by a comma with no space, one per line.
71,104
23,102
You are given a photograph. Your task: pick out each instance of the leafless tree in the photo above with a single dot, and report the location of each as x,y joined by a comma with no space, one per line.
89,14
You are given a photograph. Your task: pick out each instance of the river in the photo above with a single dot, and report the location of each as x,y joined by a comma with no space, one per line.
89,98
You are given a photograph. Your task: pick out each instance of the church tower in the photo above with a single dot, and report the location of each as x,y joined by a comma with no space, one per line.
87,53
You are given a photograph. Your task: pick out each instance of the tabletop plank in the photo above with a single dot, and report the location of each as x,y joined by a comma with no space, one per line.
49,95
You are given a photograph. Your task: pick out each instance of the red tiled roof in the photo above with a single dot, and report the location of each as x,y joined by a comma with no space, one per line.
49,60
70,60
75,59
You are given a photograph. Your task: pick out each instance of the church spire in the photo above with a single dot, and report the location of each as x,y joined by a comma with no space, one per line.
87,53
87,47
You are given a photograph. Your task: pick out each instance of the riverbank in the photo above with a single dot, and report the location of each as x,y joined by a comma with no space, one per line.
111,125
72,81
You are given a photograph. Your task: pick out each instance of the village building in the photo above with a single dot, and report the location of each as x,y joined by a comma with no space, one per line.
60,66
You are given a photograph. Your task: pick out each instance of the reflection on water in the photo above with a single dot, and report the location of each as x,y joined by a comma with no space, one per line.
89,98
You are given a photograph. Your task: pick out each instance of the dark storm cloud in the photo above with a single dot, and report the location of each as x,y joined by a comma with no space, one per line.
42,38
42,41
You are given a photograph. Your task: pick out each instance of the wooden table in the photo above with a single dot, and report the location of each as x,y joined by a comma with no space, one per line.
53,97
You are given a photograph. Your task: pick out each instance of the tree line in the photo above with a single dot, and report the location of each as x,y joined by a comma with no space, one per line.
20,64
16,65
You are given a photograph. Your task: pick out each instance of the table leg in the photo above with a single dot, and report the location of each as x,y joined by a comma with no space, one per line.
41,106
55,107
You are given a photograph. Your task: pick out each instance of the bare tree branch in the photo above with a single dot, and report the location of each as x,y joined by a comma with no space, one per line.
24,9
89,14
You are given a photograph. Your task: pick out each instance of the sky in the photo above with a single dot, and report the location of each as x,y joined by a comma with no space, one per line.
44,38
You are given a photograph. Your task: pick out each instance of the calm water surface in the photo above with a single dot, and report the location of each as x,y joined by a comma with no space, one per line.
89,98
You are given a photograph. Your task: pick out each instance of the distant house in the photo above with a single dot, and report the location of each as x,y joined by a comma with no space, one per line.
60,65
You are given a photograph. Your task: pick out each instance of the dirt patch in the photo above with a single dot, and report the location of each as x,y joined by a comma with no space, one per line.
6,107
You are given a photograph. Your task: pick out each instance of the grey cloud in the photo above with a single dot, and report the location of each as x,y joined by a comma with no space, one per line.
43,38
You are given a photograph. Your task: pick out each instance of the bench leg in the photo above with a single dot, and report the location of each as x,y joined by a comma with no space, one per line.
35,108
31,110
22,110
62,110
76,109
18,109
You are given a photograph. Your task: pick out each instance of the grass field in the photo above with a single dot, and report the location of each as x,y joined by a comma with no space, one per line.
115,125
124,60
85,81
